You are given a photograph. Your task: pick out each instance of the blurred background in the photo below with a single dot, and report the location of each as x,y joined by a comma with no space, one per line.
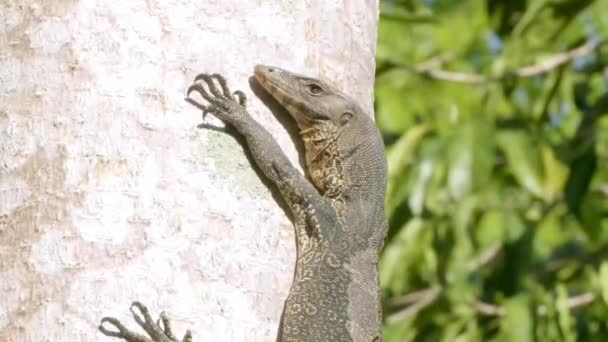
495,117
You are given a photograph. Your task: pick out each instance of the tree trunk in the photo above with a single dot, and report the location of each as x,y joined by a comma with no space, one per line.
109,192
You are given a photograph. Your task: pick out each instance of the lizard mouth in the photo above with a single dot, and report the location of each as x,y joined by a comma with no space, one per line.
273,81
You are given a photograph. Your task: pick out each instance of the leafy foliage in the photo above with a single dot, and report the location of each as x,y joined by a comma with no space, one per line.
495,115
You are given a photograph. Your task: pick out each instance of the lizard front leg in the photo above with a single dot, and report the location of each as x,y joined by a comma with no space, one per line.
268,155
301,196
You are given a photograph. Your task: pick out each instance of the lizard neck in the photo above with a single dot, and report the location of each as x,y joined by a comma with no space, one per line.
323,158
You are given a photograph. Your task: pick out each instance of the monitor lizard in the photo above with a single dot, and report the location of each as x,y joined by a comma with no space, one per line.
339,218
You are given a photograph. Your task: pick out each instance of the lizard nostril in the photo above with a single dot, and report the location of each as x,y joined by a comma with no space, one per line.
270,69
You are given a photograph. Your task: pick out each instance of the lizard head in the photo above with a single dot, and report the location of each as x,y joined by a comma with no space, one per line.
310,101
331,124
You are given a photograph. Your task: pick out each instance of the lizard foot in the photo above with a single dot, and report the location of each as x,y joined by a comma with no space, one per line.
221,102
159,331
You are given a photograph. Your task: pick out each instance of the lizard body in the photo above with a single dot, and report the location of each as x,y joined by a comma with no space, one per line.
339,217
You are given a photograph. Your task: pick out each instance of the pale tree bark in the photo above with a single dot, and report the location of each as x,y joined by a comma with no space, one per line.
110,193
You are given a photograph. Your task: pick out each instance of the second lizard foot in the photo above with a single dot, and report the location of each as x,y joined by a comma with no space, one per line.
159,331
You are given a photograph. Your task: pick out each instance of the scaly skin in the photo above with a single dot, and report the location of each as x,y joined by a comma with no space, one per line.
338,217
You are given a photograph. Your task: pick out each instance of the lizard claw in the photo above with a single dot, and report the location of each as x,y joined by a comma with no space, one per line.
122,332
214,90
241,97
223,85
159,331
206,109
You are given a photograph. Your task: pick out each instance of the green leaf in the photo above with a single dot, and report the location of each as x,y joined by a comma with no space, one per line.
402,152
556,174
523,159
405,251
395,112
460,179
566,321
420,185
517,325
491,228
516,226
604,281
581,172
471,158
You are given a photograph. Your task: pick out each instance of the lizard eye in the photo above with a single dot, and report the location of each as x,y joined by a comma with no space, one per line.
345,118
314,89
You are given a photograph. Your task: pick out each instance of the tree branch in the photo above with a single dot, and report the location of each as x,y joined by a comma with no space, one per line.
572,303
415,302
453,76
486,257
604,188
540,68
557,60
489,309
